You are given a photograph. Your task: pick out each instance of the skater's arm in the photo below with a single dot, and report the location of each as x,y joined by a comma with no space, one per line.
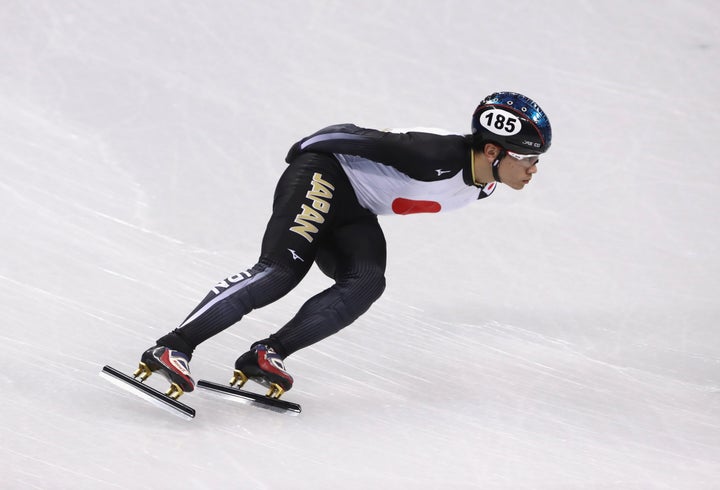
423,156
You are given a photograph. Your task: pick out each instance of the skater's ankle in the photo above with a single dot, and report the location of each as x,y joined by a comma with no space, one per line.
273,344
176,341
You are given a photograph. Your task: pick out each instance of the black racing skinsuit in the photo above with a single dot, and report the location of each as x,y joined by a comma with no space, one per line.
316,218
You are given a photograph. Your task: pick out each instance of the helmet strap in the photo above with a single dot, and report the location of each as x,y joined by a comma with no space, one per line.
496,164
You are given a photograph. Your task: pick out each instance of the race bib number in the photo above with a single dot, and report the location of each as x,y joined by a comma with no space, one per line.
500,122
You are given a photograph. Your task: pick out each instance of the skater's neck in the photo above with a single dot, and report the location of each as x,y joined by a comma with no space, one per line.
481,167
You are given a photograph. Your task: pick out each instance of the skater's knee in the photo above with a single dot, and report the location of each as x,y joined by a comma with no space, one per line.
256,287
374,282
365,285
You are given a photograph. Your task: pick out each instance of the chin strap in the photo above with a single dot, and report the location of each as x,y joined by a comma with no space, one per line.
496,164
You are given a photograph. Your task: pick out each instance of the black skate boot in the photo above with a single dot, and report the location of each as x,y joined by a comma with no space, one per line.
172,364
263,365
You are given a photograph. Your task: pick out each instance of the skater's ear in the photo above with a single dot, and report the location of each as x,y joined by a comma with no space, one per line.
491,150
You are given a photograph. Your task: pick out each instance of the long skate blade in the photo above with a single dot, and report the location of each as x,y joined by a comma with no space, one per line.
147,393
238,395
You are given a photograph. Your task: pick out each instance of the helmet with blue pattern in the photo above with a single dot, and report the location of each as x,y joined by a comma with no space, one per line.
512,121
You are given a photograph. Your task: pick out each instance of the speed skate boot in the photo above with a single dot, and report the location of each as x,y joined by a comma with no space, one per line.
262,365
172,364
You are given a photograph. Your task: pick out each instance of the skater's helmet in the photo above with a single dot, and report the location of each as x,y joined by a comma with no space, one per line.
512,121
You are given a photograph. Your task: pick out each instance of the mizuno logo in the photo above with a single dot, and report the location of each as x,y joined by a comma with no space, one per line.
320,194
441,171
295,256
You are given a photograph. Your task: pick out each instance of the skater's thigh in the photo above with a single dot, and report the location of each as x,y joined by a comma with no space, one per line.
360,243
308,198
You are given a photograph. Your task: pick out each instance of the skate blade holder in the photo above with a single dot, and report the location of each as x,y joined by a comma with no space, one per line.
175,391
276,391
143,372
239,378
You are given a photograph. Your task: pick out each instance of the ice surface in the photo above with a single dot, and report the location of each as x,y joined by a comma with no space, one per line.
561,337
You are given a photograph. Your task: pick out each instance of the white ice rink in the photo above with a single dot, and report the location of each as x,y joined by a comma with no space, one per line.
563,337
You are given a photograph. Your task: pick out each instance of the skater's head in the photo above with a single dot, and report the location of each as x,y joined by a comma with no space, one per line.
510,132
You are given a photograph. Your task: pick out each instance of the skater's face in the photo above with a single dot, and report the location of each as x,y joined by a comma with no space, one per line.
516,170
